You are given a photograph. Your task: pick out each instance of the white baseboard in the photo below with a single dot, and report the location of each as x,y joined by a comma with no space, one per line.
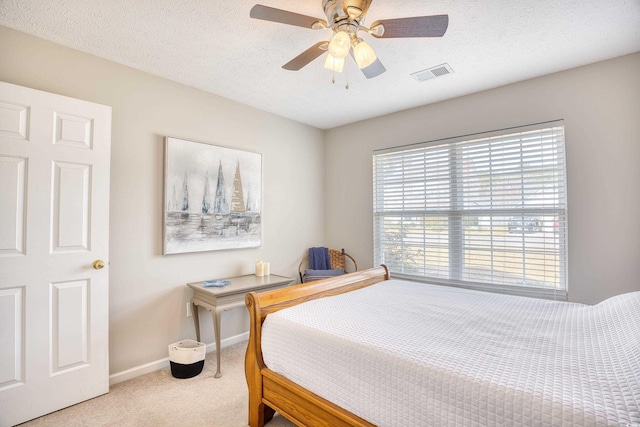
128,374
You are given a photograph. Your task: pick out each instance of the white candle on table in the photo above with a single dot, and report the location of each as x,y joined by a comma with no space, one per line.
259,268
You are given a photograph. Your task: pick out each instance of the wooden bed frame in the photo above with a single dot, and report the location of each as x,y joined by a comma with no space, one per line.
270,392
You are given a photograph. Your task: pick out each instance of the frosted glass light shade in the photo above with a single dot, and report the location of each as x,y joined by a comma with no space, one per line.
364,55
335,64
340,44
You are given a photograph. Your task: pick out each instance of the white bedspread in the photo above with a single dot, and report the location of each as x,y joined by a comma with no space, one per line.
400,353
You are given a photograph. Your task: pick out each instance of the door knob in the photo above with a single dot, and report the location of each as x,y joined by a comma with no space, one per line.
98,264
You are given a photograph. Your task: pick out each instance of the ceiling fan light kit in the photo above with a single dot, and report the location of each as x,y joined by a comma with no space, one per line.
345,18
363,53
334,64
340,45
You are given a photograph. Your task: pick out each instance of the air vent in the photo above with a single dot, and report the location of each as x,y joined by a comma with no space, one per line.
433,72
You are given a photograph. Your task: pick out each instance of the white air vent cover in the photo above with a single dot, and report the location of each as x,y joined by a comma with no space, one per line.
433,72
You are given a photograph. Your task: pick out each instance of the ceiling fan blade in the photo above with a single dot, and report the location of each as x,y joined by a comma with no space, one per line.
417,26
356,8
306,57
267,13
374,69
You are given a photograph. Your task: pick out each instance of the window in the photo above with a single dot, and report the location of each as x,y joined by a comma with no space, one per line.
484,211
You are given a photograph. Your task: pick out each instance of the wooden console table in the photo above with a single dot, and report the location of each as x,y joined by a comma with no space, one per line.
219,299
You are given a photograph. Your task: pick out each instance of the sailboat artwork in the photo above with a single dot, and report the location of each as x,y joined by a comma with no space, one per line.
199,219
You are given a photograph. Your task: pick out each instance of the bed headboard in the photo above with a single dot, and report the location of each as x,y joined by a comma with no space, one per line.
269,302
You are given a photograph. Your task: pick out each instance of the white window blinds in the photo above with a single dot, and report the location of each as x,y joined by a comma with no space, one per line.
479,211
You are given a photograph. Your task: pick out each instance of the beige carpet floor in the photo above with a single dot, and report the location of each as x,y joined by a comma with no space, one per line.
159,399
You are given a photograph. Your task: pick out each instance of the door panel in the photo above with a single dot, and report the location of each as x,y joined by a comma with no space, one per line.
54,213
69,317
74,131
11,337
12,198
14,120
71,202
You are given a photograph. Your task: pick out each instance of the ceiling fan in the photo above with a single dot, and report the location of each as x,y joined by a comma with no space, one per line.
346,18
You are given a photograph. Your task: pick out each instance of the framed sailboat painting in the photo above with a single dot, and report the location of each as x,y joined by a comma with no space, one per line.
212,197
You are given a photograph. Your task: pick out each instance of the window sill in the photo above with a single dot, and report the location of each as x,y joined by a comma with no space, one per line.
531,292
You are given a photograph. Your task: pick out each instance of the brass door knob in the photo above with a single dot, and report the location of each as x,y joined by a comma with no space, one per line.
98,264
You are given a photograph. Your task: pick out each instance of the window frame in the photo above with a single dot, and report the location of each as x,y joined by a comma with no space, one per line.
456,234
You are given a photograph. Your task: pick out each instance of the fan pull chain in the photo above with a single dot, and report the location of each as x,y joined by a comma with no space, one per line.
333,73
346,77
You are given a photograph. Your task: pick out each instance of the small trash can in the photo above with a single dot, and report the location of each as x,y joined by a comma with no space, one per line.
186,358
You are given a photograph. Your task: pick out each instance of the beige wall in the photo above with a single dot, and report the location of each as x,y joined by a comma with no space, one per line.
600,105
147,291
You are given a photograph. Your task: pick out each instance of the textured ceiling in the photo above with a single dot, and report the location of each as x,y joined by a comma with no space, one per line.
213,45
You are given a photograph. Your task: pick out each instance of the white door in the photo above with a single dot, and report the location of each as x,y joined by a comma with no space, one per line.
54,223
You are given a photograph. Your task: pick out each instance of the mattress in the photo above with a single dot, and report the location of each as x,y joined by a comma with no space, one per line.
400,353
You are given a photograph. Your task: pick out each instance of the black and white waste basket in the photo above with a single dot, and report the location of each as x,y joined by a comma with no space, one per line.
186,358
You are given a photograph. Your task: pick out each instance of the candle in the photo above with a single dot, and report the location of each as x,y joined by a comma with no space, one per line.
259,268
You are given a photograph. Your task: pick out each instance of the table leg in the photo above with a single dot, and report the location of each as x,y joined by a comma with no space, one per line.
217,317
196,319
